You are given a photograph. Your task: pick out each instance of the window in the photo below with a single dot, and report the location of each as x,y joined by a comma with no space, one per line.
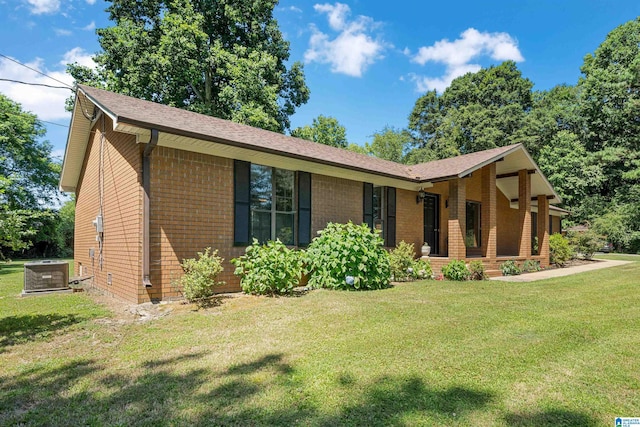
550,225
272,204
472,236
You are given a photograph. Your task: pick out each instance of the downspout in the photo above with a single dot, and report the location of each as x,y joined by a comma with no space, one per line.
146,185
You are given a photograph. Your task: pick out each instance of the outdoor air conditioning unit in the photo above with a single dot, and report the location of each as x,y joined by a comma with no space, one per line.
46,276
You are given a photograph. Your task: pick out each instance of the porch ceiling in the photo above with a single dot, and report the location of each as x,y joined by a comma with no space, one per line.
514,162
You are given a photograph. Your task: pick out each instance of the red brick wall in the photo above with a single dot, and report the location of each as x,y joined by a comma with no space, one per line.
409,219
524,203
508,226
334,200
122,213
191,204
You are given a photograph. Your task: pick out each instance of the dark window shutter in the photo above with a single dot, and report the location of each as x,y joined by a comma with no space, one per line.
304,208
390,223
367,204
241,199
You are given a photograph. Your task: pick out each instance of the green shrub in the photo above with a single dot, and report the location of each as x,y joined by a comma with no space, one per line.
199,278
268,269
348,256
476,268
510,268
421,269
456,270
531,265
559,250
586,243
401,260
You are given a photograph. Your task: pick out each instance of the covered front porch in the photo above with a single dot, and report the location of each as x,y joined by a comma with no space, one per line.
495,210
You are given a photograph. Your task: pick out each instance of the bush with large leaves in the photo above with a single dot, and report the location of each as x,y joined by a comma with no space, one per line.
348,256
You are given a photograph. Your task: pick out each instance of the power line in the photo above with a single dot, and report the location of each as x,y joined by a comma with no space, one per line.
36,84
33,69
11,113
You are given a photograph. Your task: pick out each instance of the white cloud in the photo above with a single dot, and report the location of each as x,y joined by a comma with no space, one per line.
292,9
79,55
91,1
90,26
39,7
46,103
352,50
62,32
457,56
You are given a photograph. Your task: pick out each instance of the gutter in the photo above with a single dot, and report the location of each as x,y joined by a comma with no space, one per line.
146,186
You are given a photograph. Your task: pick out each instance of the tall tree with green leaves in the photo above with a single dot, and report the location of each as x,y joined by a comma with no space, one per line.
28,175
225,58
325,130
478,111
390,144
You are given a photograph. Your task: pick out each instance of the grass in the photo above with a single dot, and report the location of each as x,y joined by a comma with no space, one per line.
560,352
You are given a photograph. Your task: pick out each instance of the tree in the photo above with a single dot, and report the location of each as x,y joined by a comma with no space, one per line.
553,111
325,130
573,172
225,58
28,174
611,90
390,144
478,111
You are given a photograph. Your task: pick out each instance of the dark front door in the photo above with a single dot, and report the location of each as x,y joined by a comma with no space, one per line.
432,222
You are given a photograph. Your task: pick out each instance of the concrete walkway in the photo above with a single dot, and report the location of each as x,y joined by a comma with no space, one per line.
559,272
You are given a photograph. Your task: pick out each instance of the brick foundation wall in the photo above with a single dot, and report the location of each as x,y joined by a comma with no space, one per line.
122,213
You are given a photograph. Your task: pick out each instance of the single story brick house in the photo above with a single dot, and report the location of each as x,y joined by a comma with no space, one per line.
156,184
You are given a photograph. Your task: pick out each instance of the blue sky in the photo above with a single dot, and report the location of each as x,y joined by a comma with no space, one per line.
366,62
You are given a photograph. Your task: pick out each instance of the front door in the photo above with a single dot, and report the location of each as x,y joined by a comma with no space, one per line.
432,222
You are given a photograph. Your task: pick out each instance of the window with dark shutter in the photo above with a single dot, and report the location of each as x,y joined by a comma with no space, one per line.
304,208
241,198
390,232
367,204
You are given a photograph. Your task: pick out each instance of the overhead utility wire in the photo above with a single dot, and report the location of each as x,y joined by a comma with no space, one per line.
36,84
33,69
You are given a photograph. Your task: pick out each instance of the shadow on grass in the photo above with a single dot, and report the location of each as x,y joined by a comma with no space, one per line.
20,329
554,417
183,390
12,267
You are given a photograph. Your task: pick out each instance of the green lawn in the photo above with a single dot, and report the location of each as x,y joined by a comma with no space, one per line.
558,352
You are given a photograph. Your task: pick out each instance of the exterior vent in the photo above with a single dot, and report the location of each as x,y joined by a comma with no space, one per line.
46,276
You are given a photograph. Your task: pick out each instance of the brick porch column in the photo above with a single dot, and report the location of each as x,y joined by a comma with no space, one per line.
457,224
524,204
489,245
543,229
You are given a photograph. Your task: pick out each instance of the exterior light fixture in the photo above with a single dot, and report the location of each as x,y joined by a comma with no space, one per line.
421,195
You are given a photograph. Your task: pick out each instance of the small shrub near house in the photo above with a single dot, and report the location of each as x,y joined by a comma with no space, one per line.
199,279
477,271
510,268
531,266
401,260
559,250
456,270
268,269
421,269
348,256
586,243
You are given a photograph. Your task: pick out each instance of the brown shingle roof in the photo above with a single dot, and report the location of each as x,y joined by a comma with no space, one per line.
173,120
460,164
187,123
